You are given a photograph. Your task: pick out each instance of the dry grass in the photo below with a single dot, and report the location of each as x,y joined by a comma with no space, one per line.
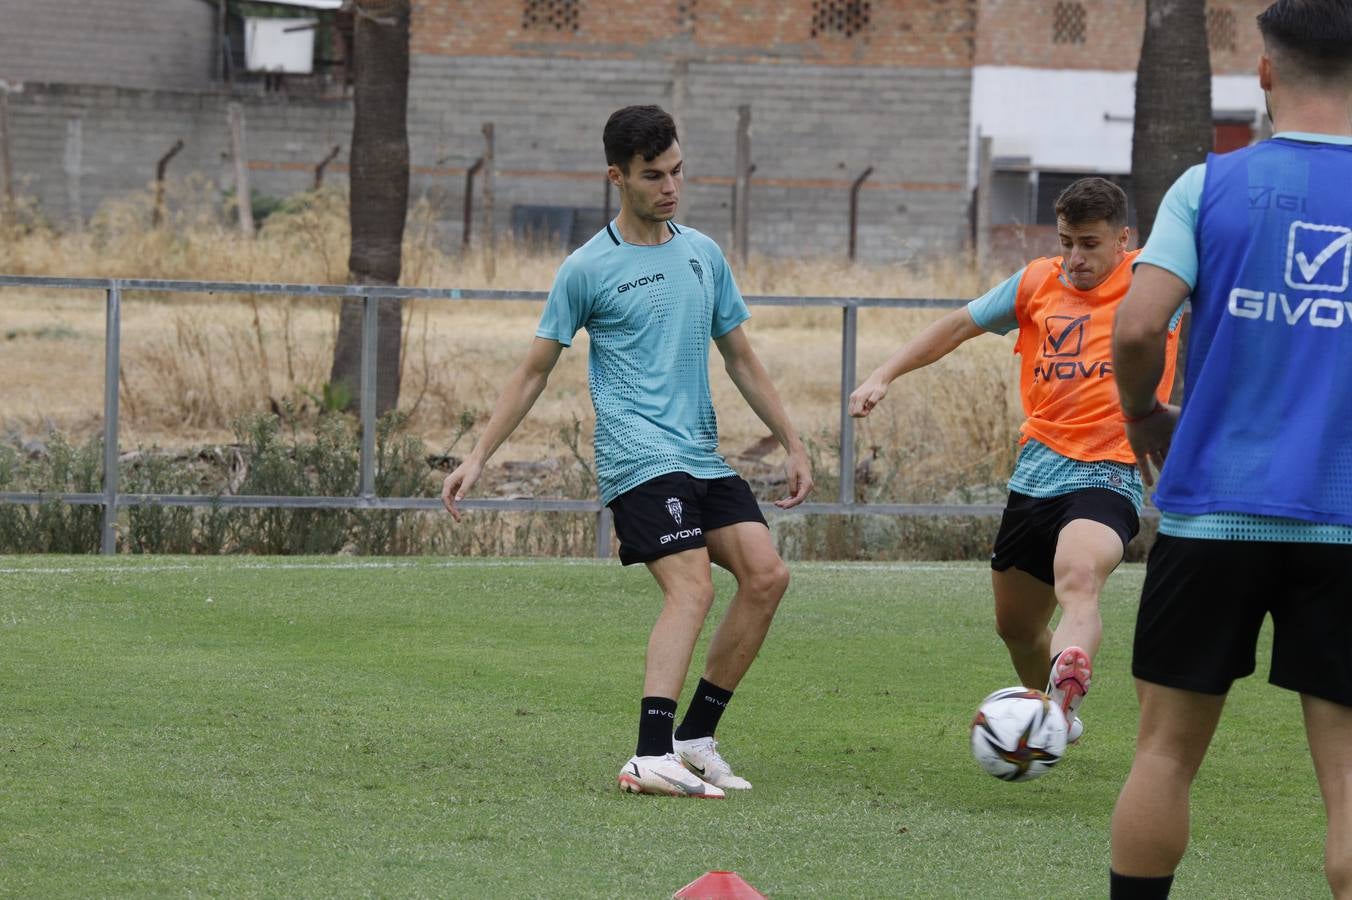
193,363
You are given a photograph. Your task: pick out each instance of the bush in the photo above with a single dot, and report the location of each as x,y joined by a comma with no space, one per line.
264,463
53,526
154,528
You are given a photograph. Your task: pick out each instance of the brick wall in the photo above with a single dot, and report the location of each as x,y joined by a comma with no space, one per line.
1023,33
911,32
137,43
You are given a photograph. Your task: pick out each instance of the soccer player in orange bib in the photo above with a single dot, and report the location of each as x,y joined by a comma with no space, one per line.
1075,494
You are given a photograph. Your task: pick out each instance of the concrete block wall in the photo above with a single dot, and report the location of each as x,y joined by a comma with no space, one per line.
132,43
124,132
814,130
894,96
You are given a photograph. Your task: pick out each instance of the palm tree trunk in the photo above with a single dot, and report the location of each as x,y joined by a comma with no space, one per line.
1173,128
379,194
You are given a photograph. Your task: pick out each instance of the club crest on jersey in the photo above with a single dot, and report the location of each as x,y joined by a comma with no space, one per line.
674,507
699,273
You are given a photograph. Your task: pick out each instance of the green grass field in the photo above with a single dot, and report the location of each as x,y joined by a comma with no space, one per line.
338,727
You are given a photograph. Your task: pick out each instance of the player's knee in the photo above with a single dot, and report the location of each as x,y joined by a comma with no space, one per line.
1338,870
695,599
1018,632
1077,582
769,582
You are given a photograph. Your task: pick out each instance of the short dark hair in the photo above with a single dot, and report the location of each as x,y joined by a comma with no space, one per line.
1313,35
644,130
1093,199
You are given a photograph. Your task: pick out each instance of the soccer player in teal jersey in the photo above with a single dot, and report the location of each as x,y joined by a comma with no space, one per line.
652,295
1255,487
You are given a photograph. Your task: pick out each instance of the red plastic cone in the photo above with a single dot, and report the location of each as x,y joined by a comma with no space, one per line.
718,885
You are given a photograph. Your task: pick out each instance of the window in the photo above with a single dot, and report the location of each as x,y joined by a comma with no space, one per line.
556,228
1220,28
542,15
685,15
1049,185
1070,23
839,17
1232,133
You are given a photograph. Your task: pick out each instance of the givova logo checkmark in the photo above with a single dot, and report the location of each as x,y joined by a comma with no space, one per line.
1318,257
1065,335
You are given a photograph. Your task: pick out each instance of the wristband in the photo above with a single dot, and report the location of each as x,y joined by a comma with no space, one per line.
1131,420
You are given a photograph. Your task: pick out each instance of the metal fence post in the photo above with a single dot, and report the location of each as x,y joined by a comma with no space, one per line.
848,337
983,203
854,210
490,239
469,201
112,335
741,198
369,333
603,526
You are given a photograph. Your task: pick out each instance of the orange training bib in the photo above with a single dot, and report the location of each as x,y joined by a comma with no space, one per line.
1066,379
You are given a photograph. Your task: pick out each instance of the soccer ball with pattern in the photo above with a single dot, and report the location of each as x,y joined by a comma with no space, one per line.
1018,734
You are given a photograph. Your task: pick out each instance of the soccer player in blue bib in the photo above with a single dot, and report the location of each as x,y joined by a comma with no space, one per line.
1255,481
652,295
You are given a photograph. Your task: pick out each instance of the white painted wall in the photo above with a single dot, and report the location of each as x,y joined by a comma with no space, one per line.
1056,117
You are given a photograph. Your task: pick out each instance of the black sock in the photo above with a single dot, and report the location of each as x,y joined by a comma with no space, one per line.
706,708
1137,887
654,726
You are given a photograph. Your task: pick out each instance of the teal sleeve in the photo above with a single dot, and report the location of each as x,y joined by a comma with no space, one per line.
994,310
730,309
1173,238
568,305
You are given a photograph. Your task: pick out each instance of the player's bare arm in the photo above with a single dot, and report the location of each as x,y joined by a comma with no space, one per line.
748,374
936,341
1140,331
523,388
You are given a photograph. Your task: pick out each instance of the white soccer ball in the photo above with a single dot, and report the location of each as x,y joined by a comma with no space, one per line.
1018,734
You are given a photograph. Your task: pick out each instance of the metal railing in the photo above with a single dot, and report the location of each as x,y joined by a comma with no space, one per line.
112,500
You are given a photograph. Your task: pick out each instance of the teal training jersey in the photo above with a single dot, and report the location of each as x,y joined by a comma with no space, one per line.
649,312
1042,472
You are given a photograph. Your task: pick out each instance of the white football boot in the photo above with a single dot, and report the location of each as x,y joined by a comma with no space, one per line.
664,775
1069,682
701,756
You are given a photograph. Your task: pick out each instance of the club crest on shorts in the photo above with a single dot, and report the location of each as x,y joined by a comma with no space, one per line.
674,507
699,273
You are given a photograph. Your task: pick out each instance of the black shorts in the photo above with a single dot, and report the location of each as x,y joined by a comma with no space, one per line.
672,512
1030,526
1204,602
